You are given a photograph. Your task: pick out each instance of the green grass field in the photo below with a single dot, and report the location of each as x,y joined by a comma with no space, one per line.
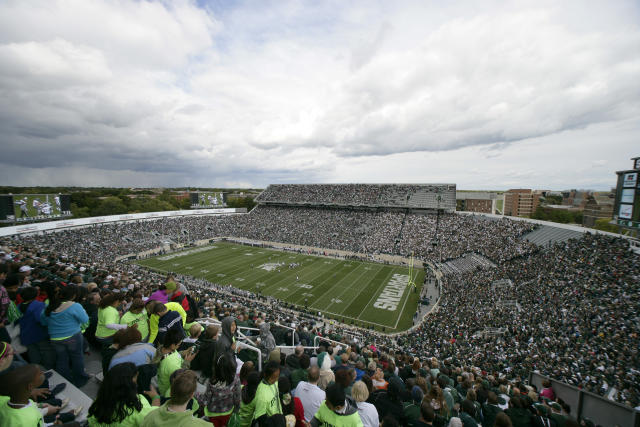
357,292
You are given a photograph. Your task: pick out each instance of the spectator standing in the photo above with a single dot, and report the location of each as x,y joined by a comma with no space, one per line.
108,319
207,342
226,342
32,334
267,395
291,406
64,319
547,391
326,374
223,395
167,320
154,319
368,412
137,316
169,358
4,307
266,342
248,404
91,305
310,394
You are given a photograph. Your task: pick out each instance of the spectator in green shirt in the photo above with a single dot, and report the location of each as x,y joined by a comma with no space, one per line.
169,358
174,412
16,408
267,400
137,316
248,403
338,410
108,319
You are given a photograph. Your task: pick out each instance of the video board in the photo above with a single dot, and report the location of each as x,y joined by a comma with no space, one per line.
208,199
34,207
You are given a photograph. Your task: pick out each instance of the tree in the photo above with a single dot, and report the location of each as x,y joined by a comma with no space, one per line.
80,212
110,206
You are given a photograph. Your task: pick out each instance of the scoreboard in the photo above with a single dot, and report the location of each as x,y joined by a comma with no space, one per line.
15,208
208,199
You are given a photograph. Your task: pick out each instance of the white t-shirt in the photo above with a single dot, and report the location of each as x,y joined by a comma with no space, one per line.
311,396
368,414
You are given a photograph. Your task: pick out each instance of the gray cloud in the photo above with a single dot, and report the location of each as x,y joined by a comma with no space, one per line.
289,91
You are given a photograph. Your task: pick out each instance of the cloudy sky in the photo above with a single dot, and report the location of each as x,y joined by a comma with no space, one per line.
488,95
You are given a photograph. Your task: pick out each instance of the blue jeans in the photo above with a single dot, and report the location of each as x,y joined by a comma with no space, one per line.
70,359
42,353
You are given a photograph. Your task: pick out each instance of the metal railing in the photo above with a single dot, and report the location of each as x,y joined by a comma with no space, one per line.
318,338
585,404
244,345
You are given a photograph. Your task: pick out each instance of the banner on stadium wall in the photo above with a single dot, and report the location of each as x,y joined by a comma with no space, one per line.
628,195
630,179
625,212
53,225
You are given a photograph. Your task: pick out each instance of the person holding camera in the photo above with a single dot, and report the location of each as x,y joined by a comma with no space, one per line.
169,359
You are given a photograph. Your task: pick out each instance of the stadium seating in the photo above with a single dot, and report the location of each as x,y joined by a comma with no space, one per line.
563,309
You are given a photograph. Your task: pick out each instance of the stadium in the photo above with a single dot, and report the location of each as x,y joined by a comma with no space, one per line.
388,273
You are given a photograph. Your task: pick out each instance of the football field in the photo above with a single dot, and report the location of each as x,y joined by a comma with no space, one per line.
354,292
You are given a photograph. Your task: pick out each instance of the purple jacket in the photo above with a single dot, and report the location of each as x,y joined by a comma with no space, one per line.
160,295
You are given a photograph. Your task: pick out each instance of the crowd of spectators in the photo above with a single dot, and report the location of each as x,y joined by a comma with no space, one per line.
361,231
575,320
374,195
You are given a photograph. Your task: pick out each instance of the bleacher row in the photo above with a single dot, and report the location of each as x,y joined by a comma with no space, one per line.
548,235
466,263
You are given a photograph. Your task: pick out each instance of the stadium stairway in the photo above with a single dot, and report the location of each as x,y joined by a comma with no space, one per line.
546,235
399,236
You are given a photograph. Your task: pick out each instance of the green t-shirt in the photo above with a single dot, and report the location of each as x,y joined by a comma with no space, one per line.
267,400
106,316
26,416
329,418
140,319
133,420
246,413
168,366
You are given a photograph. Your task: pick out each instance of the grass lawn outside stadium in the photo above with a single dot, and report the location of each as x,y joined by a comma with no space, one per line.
364,293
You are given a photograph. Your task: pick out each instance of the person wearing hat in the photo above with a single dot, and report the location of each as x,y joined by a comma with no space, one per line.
326,374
